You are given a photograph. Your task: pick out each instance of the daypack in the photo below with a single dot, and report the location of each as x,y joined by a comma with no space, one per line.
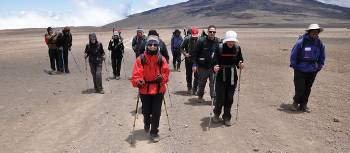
303,44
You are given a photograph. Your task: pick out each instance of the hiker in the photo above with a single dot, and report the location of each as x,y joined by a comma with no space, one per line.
226,61
162,47
138,41
94,50
116,46
150,75
59,45
307,59
67,45
50,39
176,41
202,61
187,47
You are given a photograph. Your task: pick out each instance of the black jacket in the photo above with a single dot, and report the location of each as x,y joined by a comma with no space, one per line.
228,59
95,52
117,47
67,40
203,53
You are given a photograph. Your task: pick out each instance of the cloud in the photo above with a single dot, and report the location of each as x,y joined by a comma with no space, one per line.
84,13
343,3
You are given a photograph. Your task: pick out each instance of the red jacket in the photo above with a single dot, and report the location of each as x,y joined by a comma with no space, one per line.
149,72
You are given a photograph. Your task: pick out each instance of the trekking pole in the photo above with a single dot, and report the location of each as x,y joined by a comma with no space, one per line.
104,61
171,103
124,67
167,115
86,74
133,126
76,63
239,88
212,103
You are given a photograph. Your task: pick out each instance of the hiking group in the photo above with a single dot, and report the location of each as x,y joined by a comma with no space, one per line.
207,58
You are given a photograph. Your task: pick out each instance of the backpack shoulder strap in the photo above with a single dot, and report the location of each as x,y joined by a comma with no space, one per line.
143,59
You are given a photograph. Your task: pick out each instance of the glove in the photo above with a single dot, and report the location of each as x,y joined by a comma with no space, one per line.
140,83
159,78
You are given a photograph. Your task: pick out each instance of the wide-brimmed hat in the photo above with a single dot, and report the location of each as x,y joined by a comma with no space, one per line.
230,36
314,27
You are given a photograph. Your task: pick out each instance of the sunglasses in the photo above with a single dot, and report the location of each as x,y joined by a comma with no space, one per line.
155,45
211,31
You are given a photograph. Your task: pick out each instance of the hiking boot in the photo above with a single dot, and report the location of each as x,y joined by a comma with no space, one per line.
194,92
101,91
117,77
67,71
294,106
155,138
200,100
304,108
146,128
228,122
216,119
189,91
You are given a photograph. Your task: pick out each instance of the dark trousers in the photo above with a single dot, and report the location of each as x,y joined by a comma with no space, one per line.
188,64
65,59
60,60
203,75
116,63
303,82
151,110
54,58
224,93
96,71
176,59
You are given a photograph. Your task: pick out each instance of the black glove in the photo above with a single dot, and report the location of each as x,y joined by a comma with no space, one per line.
159,78
140,83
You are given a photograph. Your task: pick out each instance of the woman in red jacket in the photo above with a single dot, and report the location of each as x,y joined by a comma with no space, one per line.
150,75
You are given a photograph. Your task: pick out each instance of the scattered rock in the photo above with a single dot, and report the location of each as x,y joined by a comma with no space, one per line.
107,113
256,150
336,119
186,126
22,115
120,124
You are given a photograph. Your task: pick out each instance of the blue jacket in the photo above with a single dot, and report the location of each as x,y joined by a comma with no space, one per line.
307,55
176,43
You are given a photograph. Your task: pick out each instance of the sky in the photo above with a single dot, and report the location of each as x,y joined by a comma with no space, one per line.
17,14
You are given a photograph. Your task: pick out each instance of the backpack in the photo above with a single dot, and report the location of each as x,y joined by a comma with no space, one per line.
237,47
303,44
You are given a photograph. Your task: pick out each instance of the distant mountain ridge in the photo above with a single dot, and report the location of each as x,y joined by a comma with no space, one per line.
242,13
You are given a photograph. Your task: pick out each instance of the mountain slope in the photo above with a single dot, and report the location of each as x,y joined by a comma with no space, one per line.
239,13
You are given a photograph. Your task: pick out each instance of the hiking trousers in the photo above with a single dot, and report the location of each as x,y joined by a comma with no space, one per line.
203,75
189,72
116,63
96,71
151,110
303,82
53,55
224,93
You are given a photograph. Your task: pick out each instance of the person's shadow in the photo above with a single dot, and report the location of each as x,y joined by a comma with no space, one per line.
88,91
205,124
138,135
194,102
182,93
288,109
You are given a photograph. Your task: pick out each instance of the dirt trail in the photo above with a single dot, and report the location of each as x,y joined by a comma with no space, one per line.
58,113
